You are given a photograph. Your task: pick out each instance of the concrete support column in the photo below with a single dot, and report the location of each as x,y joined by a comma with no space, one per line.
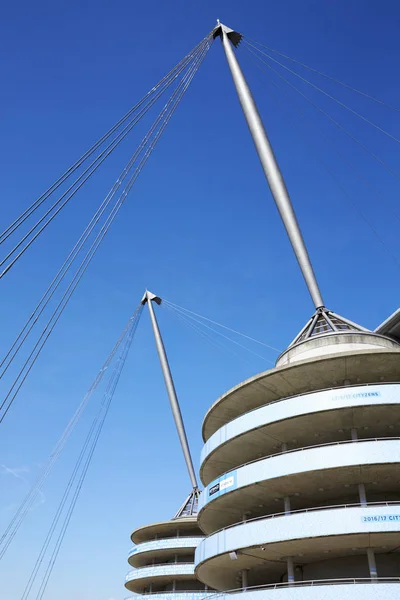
174,585
150,588
372,564
245,580
361,487
284,447
290,570
362,494
286,505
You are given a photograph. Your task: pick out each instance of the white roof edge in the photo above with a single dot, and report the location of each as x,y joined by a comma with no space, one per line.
391,326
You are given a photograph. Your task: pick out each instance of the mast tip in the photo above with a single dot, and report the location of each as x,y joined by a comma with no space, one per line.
234,36
149,296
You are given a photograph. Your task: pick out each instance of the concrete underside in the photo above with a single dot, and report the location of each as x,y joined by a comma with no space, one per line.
136,586
162,555
307,489
367,366
380,420
165,529
268,563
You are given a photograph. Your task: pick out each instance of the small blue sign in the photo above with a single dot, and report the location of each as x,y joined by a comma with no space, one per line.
380,518
222,485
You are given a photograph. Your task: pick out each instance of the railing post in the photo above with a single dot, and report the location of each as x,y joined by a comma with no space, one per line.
361,487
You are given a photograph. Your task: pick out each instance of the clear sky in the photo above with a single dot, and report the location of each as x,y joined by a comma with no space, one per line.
199,228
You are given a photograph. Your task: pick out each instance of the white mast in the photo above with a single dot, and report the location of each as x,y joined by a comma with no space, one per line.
173,398
268,161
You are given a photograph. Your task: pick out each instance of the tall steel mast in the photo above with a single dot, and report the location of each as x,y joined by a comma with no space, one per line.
268,161
149,298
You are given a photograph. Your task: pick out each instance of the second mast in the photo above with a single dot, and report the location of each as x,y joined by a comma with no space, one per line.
176,411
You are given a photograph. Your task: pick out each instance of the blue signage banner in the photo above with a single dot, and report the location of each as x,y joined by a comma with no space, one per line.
222,485
356,395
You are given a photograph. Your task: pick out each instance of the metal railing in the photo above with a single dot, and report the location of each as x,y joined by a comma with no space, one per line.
198,594
311,582
308,510
164,564
167,537
259,459
173,543
139,572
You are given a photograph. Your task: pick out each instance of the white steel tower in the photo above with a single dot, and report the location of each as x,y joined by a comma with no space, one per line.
163,557
163,554
301,463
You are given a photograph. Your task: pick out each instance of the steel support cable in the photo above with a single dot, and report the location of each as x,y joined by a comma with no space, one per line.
360,175
83,177
77,248
178,94
222,335
316,87
85,455
17,222
220,325
341,186
328,116
64,268
109,397
63,302
225,349
111,146
205,335
349,87
10,397
59,182
74,188
36,487
48,329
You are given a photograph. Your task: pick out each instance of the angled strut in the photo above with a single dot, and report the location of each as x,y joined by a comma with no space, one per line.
268,161
176,411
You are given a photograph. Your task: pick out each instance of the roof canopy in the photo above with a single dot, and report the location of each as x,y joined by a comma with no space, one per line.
324,322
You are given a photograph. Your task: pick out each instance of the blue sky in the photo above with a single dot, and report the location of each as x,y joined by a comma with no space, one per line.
199,228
